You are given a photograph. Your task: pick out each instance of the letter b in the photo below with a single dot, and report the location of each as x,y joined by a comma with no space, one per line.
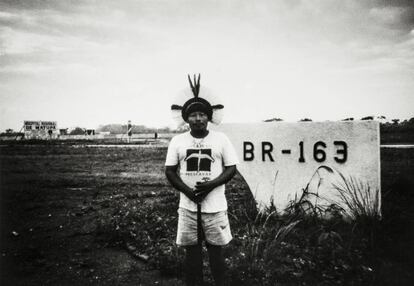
248,151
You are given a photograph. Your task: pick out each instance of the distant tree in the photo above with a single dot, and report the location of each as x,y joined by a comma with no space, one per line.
273,119
77,131
113,128
395,120
404,123
348,119
136,129
305,119
368,118
141,129
183,128
9,130
164,130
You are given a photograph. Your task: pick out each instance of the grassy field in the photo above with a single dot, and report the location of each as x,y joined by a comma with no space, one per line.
78,215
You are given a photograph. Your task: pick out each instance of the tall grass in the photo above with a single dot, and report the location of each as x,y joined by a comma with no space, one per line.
308,201
358,197
297,249
348,196
306,246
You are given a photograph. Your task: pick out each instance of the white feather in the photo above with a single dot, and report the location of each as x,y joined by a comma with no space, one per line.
187,94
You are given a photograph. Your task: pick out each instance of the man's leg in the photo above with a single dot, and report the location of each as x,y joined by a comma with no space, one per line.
217,265
194,265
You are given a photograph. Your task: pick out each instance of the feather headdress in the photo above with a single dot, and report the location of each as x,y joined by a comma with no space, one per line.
196,98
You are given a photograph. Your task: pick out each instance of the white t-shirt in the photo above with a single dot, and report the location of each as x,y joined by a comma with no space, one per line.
199,160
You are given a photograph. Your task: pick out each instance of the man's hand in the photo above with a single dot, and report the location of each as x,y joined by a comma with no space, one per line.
176,182
192,196
196,197
202,189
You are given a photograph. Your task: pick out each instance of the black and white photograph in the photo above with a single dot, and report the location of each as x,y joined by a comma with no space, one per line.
206,142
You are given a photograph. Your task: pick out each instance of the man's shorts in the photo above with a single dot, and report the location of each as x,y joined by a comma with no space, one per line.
216,228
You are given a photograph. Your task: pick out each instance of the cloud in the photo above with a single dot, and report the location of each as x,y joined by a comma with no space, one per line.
136,51
300,28
401,18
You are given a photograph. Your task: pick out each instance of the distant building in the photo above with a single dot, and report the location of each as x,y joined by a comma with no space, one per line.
63,131
40,129
11,136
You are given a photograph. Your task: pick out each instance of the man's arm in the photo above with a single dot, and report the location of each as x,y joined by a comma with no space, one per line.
178,184
202,189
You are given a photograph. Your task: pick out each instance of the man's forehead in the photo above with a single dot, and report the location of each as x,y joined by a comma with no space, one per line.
197,113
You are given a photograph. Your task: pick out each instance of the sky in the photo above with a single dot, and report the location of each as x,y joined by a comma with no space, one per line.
87,63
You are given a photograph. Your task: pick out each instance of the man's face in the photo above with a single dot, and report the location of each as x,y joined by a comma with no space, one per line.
197,120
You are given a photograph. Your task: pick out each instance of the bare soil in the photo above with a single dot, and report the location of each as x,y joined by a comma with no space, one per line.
52,198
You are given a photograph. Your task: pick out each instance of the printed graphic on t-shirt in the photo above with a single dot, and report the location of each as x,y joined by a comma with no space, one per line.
199,160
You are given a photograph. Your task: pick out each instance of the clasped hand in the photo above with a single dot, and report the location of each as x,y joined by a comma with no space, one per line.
201,190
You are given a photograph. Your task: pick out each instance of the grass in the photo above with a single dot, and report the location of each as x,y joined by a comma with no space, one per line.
359,198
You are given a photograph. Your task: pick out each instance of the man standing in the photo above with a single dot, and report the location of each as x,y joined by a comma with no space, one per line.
198,164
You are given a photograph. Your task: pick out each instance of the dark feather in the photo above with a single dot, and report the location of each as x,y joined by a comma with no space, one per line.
176,107
195,86
191,84
217,106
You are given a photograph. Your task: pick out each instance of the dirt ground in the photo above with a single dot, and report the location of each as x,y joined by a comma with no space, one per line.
52,198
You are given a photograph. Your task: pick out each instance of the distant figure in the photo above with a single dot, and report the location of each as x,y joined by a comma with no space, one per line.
155,135
129,131
206,160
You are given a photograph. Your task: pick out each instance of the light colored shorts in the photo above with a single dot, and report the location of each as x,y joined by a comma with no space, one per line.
216,228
